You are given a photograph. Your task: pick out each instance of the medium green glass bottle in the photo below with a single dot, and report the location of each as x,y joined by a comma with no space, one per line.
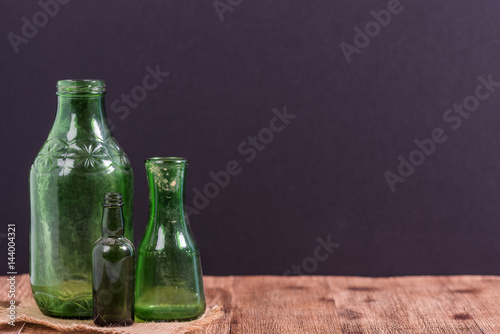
77,165
169,282
113,268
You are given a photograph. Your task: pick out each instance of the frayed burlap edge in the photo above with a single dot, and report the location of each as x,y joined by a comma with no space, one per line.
28,312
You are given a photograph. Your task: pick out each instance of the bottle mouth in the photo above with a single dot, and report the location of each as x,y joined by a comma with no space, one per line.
81,86
113,200
167,160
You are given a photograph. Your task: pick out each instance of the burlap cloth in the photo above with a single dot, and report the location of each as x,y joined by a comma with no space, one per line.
27,311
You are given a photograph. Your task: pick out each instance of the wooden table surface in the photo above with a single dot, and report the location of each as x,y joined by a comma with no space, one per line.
332,304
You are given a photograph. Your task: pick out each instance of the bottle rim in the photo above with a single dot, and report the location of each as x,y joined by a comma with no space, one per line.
167,160
81,86
113,199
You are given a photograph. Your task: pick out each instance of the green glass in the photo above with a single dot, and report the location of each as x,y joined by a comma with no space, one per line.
77,165
169,282
113,268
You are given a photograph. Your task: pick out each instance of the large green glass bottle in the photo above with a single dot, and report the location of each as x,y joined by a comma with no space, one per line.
169,282
77,165
113,268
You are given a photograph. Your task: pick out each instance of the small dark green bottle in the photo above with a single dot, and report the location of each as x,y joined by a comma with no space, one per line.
113,268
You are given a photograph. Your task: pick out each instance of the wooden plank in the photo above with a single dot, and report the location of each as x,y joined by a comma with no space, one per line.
478,296
271,304
327,304
218,291
410,305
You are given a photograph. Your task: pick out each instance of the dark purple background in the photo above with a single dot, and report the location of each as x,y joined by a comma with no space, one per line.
324,174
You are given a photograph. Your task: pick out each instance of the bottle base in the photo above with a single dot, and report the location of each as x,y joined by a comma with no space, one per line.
70,300
65,315
168,313
102,323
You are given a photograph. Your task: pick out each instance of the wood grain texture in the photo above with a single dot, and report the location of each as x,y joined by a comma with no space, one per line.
328,304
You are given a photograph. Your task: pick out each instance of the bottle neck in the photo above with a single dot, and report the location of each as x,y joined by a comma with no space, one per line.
112,222
80,116
166,195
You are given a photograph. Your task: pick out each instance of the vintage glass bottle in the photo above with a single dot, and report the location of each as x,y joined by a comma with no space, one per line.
113,268
169,282
79,162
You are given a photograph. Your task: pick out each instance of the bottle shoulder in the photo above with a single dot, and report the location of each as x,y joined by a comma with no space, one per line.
160,241
83,155
107,245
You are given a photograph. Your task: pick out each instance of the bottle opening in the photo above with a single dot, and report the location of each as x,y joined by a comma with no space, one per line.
170,160
81,86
